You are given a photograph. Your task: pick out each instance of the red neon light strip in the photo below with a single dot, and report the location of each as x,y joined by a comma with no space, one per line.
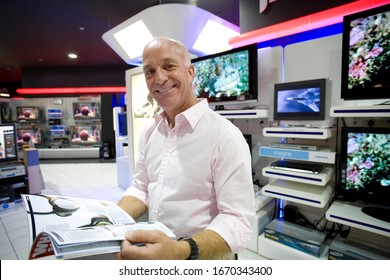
71,90
313,21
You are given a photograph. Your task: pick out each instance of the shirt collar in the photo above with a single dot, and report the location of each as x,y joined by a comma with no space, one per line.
191,115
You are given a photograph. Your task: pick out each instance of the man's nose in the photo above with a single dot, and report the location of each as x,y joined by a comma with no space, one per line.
160,76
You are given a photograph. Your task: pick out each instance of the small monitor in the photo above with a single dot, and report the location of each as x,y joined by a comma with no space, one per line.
85,135
8,146
86,110
28,113
300,100
29,136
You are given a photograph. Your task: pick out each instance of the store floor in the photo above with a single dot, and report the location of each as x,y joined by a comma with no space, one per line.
94,179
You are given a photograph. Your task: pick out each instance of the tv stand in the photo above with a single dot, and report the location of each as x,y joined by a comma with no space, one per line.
380,213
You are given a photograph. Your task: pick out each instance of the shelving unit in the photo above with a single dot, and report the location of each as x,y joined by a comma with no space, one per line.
298,132
244,114
320,179
316,196
360,111
350,213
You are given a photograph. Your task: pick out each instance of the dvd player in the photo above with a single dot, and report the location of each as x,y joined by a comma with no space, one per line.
294,146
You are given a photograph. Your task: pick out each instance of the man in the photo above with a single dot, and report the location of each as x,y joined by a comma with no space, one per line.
194,169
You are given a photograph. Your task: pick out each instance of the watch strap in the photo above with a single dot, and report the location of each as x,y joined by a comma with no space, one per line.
194,247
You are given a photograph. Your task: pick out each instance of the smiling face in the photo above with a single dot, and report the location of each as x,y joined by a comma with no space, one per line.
169,74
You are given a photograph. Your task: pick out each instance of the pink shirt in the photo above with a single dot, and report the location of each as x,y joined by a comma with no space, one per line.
197,176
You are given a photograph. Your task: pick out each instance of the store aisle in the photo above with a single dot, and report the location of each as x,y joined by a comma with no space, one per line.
91,180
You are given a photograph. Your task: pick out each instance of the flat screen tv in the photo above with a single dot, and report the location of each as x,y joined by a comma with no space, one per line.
300,100
365,169
8,146
28,136
28,113
85,135
86,110
228,77
366,55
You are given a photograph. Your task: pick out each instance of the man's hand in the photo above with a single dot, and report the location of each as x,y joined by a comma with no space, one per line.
155,246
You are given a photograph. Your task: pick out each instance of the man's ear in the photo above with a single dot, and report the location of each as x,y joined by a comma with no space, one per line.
191,72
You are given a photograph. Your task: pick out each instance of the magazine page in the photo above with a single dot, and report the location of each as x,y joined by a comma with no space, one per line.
49,212
88,240
97,240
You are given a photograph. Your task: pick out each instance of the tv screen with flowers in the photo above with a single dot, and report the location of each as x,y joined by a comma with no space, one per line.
366,55
365,167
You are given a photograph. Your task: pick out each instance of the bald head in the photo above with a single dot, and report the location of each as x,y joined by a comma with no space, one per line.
160,42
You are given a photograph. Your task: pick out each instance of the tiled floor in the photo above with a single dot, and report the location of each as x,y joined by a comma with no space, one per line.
91,180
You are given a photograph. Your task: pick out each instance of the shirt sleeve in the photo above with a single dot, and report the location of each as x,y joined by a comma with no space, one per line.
139,186
234,191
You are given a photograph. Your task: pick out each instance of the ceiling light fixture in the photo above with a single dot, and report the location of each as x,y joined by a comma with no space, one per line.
181,22
72,55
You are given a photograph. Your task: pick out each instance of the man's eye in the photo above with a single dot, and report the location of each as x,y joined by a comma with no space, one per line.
170,66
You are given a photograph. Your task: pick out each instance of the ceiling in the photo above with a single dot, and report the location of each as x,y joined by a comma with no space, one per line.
40,34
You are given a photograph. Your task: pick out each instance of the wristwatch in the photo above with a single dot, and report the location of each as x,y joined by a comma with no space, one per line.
194,247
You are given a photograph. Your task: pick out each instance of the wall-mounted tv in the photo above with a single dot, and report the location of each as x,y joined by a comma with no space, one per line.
365,169
85,135
366,55
228,77
86,110
300,100
28,113
29,136
8,146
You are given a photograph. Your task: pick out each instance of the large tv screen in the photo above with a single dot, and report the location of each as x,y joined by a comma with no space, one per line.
365,167
227,78
366,55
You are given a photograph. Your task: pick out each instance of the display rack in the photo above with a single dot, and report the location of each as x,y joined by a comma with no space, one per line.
350,213
320,179
244,114
312,195
360,111
298,132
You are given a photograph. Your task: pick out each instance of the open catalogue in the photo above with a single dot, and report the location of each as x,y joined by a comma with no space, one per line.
70,227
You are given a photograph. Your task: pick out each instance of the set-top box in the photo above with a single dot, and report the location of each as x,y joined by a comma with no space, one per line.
12,170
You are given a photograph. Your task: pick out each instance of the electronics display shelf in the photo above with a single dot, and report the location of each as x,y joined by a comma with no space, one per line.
92,152
298,132
360,111
244,114
320,156
350,213
320,179
277,251
312,195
